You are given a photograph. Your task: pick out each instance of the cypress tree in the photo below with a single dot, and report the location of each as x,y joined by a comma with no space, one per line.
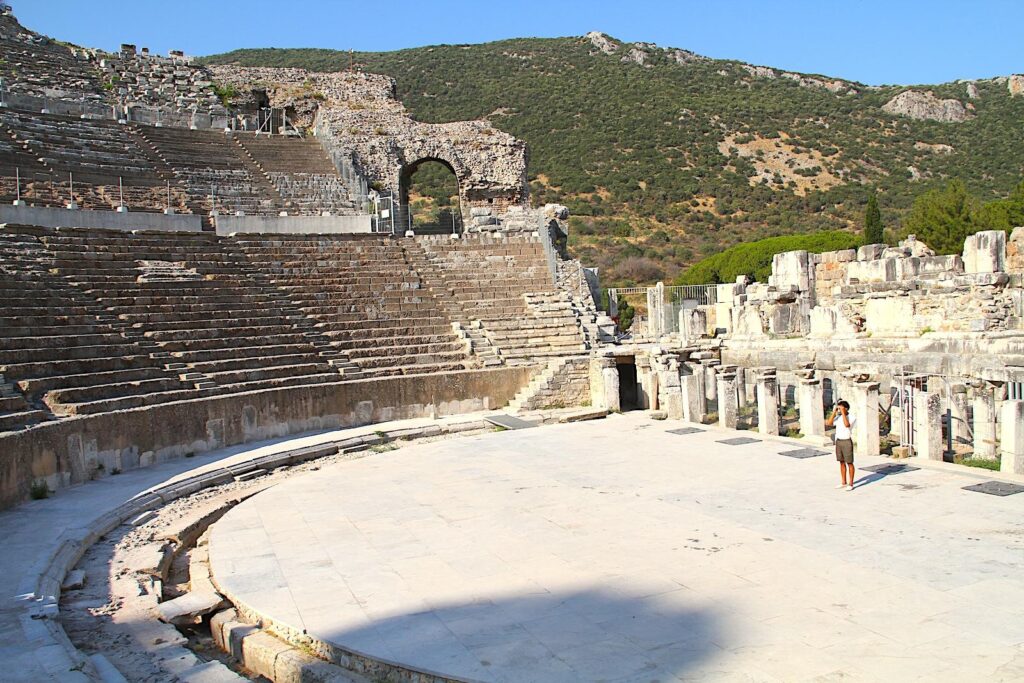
872,222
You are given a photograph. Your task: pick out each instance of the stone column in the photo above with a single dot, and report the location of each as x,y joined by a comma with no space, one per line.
985,422
710,381
812,408
671,390
896,413
727,409
863,398
958,415
1011,442
741,387
767,400
610,375
695,407
928,425
656,310
648,396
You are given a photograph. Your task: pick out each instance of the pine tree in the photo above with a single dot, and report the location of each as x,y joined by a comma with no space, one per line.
943,218
872,222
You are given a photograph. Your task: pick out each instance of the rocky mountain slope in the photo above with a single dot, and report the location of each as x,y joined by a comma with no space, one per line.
664,156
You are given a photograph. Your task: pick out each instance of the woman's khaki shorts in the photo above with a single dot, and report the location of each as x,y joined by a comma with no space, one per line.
844,451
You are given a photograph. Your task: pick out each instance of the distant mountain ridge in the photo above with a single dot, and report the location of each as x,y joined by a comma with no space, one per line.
664,155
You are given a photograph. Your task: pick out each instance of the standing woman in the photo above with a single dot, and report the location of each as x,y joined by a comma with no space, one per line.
844,442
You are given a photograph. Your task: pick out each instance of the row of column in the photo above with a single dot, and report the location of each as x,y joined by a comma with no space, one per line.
707,379
683,390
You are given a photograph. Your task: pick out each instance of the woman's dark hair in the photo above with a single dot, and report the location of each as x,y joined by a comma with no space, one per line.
844,404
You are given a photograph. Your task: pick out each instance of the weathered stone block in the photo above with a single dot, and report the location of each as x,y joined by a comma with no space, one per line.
985,252
1011,444
928,425
870,252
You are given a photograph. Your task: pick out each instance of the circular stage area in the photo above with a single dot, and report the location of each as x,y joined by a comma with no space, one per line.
620,551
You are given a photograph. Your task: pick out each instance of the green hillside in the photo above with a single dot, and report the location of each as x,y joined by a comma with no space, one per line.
663,163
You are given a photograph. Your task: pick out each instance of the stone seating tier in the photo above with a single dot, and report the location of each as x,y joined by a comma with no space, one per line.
44,68
120,320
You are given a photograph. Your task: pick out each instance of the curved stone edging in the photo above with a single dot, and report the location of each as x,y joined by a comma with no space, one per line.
40,617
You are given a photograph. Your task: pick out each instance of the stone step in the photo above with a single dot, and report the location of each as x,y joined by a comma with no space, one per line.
9,421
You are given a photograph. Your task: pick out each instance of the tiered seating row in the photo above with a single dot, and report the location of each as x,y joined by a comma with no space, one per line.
57,343
95,321
303,174
365,297
201,170
200,307
520,311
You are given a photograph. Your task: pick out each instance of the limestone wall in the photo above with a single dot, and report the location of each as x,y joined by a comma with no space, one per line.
1015,252
902,291
356,113
74,450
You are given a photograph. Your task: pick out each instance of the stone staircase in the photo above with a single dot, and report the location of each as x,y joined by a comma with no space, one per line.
364,299
563,383
470,330
260,177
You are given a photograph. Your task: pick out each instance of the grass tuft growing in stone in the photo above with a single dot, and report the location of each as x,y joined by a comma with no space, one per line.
39,490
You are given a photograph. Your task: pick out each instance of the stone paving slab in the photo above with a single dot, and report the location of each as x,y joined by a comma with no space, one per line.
996,488
890,469
34,532
591,552
802,453
738,441
683,431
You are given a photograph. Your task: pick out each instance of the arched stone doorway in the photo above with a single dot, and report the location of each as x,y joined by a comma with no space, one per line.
430,197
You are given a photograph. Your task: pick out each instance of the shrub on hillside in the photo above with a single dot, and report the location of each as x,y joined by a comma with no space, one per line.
755,258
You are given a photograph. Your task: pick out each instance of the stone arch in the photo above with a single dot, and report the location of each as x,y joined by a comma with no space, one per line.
408,169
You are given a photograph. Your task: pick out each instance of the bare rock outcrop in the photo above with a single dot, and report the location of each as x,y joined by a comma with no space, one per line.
759,71
1015,84
925,106
602,42
636,55
836,86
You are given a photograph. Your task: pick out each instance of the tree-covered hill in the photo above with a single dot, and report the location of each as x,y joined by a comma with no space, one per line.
664,157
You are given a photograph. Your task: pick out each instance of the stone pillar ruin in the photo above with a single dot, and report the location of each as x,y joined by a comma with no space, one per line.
896,413
695,407
864,405
1011,442
669,388
767,400
728,412
741,387
656,310
984,426
608,397
958,415
647,383
693,323
812,407
928,425
710,381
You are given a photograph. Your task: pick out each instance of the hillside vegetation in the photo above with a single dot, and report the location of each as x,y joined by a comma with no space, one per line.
678,157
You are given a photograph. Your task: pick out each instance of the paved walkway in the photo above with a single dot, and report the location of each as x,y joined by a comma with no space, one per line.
616,551
30,533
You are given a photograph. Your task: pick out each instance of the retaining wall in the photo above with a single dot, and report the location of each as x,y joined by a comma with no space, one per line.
293,225
53,217
73,450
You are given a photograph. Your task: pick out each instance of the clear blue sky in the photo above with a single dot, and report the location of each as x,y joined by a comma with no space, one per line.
872,41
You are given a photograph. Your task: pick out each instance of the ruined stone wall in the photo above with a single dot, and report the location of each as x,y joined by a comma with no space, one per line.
1015,252
133,78
68,452
900,291
356,114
